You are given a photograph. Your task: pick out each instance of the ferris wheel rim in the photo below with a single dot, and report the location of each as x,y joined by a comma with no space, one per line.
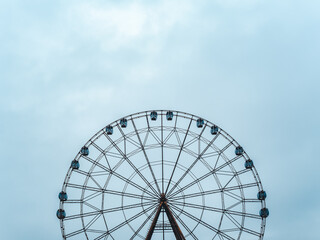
162,113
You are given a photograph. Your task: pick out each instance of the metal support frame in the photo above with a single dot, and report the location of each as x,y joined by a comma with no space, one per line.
174,225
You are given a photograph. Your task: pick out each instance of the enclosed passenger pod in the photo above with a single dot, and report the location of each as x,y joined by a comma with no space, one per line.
75,164
264,212
123,123
84,151
169,115
248,164
153,115
109,130
61,214
214,130
262,195
200,123
63,196
239,151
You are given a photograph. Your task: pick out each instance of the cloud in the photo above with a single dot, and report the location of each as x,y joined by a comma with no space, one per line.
122,25
69,68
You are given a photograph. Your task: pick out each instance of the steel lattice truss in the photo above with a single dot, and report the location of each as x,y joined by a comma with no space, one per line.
165,175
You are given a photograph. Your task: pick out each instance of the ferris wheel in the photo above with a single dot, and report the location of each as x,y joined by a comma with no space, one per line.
162,175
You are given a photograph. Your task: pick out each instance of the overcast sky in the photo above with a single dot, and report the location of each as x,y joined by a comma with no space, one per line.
68,68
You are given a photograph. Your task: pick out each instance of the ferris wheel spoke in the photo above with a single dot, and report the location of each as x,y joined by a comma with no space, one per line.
251,200
162,160
91,196
146,156
226,147
219,210
134,184
219,236
183,224
83,187
215,170
95,231
110,210
92,221
91,206
143,224
198,220
74,233
230,180
252,232
193,140
192,165
96,146
129,195
126,222
132,165
213,191
235,204
234,196
113,192
239,226
72,201
119,176
174,168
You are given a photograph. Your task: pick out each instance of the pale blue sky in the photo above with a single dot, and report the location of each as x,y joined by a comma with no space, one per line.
68,68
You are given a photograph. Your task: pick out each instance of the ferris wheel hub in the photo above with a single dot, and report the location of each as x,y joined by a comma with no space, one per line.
162,198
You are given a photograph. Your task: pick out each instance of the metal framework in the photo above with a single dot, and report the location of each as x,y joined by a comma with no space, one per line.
162,175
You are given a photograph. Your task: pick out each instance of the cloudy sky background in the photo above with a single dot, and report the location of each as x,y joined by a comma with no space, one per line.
68,68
